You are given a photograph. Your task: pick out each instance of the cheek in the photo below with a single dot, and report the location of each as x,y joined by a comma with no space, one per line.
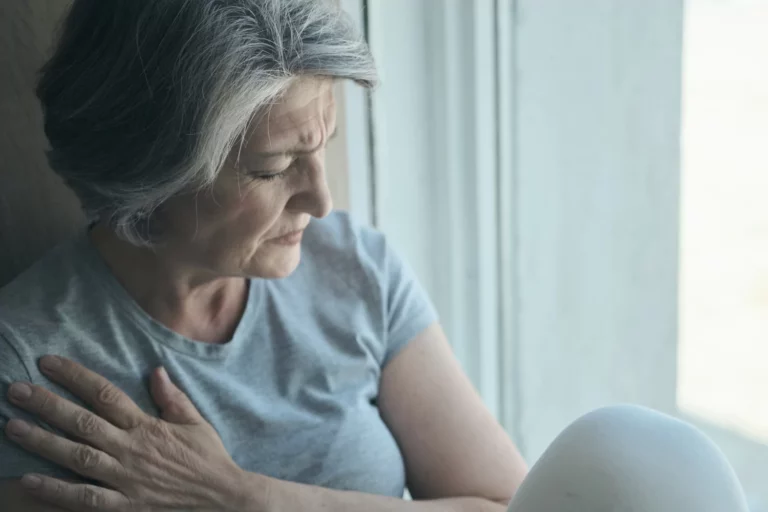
258,211
229,217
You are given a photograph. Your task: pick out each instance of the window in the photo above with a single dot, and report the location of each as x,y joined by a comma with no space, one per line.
526,159
723,354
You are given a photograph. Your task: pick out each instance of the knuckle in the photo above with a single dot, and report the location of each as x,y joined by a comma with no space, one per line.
76,375
156,430
108,394
45,440
87,424
45,402
91,498
57,488
85,458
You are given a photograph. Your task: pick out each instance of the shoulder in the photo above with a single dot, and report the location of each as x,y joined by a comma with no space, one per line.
51,275
339,233
341,261
339,242
344,255
36,301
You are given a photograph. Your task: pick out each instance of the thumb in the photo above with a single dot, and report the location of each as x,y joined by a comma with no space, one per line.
175,406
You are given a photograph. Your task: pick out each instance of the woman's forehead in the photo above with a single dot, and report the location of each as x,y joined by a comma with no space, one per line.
297,121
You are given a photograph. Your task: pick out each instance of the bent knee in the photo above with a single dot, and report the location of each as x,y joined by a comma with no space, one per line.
636,459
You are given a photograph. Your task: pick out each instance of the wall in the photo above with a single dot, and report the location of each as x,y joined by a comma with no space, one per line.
402,145
598,166
598,129
586,171
435,164
36,209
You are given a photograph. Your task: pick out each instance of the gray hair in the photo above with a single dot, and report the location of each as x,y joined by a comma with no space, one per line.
145,99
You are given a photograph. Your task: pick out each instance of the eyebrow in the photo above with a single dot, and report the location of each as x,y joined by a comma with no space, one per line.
268,154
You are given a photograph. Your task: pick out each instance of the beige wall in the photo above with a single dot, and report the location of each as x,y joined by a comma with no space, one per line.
36,210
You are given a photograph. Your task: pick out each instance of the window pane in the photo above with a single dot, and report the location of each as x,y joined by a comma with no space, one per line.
723,355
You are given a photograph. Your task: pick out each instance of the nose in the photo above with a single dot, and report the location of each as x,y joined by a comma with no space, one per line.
314,197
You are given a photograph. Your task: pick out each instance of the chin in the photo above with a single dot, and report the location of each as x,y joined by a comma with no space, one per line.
276,267
280,273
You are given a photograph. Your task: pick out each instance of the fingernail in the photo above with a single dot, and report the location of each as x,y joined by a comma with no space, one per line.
20,391
164,375
31,481
50,363
17,428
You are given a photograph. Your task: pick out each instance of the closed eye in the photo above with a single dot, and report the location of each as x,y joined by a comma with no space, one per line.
271,177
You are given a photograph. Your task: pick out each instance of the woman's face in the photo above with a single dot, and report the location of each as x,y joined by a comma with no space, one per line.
250,223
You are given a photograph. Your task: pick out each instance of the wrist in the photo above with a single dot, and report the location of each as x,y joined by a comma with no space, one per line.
251,494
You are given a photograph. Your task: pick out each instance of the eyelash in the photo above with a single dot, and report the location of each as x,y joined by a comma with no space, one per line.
271,177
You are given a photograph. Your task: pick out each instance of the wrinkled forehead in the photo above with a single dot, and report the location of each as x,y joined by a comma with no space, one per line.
298,121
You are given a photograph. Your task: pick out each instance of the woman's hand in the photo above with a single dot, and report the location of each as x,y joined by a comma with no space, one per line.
147,464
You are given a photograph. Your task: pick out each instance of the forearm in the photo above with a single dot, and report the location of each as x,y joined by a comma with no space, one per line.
282,496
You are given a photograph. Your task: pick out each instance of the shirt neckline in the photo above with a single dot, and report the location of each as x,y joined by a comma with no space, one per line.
96,266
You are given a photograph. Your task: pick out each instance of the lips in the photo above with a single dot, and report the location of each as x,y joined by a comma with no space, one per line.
292,238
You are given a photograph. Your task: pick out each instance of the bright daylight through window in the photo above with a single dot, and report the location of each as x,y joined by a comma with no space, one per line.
723,353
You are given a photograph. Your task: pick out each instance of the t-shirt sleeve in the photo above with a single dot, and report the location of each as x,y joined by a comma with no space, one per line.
14,460
407,308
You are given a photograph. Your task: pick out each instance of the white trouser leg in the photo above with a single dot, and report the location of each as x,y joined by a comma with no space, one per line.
630,459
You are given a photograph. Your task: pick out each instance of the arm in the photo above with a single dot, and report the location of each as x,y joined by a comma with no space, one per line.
306,498
458,458
13,461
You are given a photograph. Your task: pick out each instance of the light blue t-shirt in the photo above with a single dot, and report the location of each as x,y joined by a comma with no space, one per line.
293,394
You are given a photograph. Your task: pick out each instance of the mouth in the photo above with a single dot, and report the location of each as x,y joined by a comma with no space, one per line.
289,239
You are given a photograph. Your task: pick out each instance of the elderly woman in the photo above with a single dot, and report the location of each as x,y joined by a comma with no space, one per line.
294,363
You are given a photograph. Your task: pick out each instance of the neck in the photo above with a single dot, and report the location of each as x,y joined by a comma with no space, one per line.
193,301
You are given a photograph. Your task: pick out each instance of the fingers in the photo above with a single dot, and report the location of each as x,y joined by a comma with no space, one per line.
174,404
67,416
107,400
75,497
80,458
